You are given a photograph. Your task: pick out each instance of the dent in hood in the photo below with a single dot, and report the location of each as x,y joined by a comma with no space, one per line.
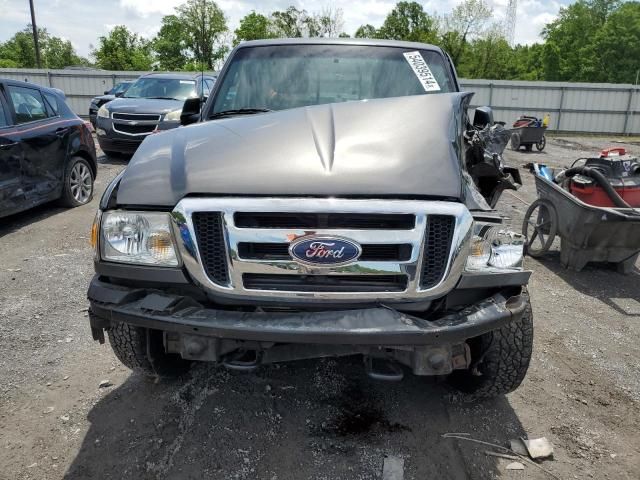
395,147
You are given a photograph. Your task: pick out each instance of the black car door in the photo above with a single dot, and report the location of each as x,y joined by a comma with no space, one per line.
42,135
11,193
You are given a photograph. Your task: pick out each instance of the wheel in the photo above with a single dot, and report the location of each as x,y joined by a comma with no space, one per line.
540,227
78,183
500,359
142,350
515,141
541,144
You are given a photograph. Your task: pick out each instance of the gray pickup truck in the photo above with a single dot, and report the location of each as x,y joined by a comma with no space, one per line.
331,198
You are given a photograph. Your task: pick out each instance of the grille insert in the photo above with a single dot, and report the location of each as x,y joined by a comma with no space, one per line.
280,251
367,221
133,129
438,245
325,283
213,253
136,116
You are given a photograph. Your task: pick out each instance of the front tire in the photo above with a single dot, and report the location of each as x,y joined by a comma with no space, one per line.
501,359
142,351
78,180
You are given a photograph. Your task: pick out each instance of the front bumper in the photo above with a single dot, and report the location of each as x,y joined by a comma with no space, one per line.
157,310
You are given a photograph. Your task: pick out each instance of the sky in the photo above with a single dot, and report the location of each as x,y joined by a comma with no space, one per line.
83,21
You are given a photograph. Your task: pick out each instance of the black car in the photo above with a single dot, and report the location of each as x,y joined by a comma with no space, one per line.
154,102
97,102
46,151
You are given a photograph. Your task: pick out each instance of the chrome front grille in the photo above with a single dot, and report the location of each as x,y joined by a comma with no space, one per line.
135,124
239,247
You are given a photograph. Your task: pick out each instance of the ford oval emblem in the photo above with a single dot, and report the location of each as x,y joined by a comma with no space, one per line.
324,251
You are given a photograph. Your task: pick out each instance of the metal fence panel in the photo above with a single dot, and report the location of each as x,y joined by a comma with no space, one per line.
573,107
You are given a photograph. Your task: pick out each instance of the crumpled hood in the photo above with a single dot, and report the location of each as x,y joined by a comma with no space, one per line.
395,147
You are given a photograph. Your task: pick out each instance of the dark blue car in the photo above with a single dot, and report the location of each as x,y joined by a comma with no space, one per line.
46,151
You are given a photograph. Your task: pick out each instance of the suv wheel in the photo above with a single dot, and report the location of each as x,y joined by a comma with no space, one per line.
500,359
78,183
142,350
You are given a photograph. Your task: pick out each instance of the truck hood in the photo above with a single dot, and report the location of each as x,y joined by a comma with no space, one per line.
395,147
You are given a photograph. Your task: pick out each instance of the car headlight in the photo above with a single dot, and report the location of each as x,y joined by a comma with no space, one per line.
173,116
138,237
495,248
103,112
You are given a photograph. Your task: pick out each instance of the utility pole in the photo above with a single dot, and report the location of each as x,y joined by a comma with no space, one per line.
35,34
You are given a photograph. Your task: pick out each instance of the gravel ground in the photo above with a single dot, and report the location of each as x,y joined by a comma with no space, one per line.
313,419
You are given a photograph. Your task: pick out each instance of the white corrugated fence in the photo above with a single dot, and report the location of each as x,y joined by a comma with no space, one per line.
573,107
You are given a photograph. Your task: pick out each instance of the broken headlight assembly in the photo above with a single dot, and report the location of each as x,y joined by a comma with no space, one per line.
143,238
494,248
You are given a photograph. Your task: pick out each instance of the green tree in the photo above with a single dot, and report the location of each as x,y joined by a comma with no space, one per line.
551,61
121,49
489,57
171,45
527,62
408,21
206,26
570,40
366,31
290,23
467,21
617,46
19,51
253,26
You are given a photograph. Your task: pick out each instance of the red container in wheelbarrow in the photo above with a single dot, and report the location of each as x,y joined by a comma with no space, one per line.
623,173
588,233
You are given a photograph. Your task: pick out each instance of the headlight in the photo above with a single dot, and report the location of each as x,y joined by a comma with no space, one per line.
103,112
138,237
173,116
495,248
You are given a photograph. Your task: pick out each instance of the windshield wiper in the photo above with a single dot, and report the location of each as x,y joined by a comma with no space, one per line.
162,98
239,111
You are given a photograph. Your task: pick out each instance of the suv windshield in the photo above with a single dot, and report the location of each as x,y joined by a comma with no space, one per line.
170,88
289,76
119,88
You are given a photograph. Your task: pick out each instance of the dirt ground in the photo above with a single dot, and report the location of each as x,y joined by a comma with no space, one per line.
312,419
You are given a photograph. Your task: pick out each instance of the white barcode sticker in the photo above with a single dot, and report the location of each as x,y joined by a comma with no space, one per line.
422,71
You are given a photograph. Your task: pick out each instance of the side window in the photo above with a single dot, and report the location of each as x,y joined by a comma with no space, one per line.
27,103
209,86
52,102
3,116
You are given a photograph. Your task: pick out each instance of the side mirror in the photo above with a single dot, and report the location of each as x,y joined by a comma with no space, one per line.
190,111
483,117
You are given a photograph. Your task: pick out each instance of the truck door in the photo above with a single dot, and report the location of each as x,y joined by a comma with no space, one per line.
11,194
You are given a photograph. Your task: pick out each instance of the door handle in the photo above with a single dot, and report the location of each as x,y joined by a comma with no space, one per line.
60,131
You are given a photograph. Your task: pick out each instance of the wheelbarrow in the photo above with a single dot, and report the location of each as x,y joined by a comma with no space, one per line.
587,233
527,137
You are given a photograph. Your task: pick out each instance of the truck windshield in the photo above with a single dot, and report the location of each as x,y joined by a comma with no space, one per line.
289,76
169,88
